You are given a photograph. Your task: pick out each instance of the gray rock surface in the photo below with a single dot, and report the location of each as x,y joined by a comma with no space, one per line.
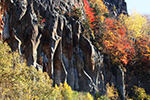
50,37
116,7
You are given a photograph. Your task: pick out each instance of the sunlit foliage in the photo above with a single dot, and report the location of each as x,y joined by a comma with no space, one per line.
146,26
137,31
123,42
116,45
89,13
103,9
20,82
142,48
134,24
1,16
112,92
140,94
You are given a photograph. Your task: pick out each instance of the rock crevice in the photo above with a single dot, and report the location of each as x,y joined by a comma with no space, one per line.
50,38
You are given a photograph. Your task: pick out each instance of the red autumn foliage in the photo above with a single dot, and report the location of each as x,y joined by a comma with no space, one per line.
89,13
142,47
113,40
117,45
1,22
1,17
43,20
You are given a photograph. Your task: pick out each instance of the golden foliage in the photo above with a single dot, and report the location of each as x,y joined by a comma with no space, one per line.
147,24
18,81
112,92
134,24
65,93
100,5
140,94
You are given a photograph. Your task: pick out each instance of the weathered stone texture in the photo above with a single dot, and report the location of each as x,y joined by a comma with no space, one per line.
51,40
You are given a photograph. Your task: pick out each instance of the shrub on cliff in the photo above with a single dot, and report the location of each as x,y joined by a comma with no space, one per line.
18,81
140,94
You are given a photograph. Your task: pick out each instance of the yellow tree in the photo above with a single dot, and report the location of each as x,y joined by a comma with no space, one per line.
137,28
134,24
146,26
21,82
103,9
100,5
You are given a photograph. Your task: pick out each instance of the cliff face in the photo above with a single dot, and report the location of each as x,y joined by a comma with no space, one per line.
116,7
49,36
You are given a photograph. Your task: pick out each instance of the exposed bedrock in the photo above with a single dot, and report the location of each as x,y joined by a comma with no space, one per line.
50,38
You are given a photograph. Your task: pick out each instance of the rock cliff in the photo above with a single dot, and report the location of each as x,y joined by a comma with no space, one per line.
49,35
116,7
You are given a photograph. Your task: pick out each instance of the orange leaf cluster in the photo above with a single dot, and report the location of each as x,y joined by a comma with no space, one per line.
42,21
142,47
121,49
2,8
116,43
1,25
1,22
89,13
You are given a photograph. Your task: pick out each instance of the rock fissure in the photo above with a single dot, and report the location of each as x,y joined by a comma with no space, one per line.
52,41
